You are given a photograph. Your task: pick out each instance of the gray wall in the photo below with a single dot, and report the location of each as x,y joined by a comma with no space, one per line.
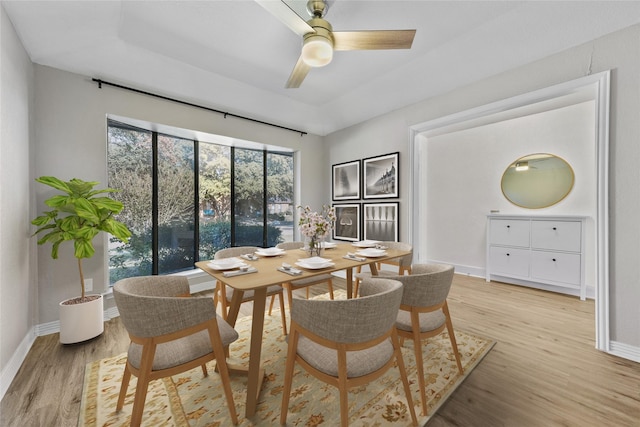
71,143
17,282
619,52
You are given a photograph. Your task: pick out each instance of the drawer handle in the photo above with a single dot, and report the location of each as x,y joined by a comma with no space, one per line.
553,259
508,254
508,226
555,228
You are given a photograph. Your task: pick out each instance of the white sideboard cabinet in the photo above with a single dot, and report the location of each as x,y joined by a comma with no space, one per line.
532,250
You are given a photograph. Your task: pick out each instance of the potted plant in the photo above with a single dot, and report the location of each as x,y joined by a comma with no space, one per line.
79,215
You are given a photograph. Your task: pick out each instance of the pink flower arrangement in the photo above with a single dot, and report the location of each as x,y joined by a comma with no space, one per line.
314,224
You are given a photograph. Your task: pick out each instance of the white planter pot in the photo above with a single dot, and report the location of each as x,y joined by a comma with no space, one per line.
81,322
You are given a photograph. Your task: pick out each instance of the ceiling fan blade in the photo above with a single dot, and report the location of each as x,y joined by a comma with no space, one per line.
373,40
298,74
284,13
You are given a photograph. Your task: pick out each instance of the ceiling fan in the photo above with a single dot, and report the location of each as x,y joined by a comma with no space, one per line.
319,40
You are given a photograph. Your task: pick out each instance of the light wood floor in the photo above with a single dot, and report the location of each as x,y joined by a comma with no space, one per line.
543,371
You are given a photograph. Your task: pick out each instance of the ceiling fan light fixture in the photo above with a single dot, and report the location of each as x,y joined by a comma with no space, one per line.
317,50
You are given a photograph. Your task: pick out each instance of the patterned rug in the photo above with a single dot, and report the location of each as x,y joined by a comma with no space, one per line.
189,399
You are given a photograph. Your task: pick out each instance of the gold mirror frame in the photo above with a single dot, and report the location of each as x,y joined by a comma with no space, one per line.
537,181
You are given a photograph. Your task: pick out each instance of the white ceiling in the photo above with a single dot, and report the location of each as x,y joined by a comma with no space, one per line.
235,56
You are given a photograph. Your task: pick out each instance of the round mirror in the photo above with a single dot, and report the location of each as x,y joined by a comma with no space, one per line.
537,181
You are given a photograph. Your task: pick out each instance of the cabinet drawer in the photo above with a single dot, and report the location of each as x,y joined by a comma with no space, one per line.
509,232
556,267
556,235
509,261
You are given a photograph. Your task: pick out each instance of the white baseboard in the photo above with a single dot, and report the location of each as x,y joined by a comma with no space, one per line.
11,369
625,351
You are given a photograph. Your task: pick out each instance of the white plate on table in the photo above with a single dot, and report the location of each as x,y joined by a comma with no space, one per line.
226,264
314,263
366,243
371,252
270,252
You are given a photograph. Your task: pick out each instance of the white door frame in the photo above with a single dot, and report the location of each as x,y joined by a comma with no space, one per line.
597,88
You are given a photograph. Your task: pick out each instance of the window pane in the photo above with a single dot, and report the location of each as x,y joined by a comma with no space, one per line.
249,197
279,198
176,210
221,168
129,156
215,199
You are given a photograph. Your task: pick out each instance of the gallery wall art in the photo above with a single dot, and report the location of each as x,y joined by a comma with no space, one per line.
347,226
346,181
380,221
380,176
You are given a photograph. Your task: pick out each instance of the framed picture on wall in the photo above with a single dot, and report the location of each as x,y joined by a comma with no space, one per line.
345,181
380,176
380,221
347,226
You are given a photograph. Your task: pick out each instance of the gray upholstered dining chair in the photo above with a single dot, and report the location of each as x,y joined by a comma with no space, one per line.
224,294
347,343
170,333
403,263
304,283
424,312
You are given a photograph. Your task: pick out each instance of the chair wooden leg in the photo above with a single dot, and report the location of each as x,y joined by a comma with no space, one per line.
223,299
204,370
417,348
123,387
223,370
288,375
307,292
146,364
330,286
452,337
283,314
273,298
403,376
344,407
215,298
342,387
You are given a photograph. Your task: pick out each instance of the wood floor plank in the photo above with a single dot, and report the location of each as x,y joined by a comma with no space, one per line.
543,371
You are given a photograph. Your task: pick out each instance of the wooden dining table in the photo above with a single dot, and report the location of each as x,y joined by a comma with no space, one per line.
267,275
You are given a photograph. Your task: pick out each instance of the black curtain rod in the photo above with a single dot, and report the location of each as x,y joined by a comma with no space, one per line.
166,98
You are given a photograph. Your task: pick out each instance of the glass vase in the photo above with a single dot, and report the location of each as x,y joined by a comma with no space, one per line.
314,245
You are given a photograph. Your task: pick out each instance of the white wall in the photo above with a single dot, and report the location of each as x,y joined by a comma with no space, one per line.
71,142
619,52
469,165
17,253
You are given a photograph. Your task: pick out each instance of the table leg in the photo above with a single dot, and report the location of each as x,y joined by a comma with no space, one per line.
349,282
374,269
254,378
234,309
257,326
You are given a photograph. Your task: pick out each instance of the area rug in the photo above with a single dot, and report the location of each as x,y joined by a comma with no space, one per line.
189,399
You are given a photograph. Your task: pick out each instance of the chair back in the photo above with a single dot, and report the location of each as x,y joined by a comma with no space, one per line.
235,251
404,261
152,306
353,320
290,245
428,285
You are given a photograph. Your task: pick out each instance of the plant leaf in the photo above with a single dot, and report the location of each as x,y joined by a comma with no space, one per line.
85,209
83,249
54,182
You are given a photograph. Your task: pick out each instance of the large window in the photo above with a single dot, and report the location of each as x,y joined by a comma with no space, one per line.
185,199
